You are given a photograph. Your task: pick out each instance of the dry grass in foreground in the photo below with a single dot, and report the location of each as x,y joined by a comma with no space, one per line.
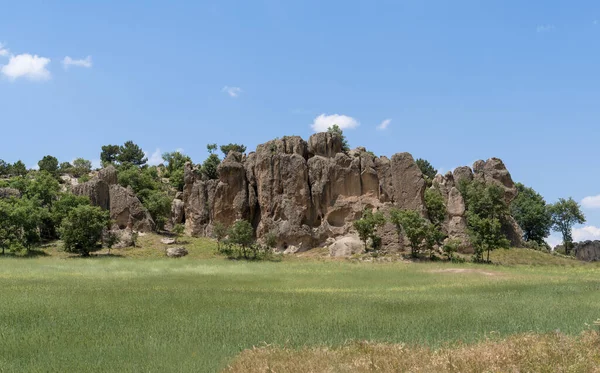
554,352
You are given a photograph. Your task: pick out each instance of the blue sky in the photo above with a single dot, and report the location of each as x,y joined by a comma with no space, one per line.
456,81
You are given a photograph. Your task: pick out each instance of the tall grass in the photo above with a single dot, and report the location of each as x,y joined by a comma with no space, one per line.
187,315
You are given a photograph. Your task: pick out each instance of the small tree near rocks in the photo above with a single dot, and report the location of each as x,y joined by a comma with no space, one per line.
219,233
412,225
110,240
178,230
82,229
367,225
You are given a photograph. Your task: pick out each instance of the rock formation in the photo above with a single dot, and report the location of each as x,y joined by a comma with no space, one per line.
308,192
9,193
588,251
125,208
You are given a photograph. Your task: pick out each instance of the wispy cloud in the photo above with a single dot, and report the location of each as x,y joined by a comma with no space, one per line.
323,122
384,125
232,91
591,202
32,67
544,28
85,62
155,158
589,232
3,51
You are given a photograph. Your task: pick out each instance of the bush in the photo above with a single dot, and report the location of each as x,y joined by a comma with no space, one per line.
82,229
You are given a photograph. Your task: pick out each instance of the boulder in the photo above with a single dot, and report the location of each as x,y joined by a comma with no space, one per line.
462,173
127,211
346,246
98,191
108,175
10,193
167,241
588,251
407,182
124,238
176,252
494,171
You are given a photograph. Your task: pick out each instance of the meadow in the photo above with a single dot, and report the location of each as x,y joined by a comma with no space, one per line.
142,312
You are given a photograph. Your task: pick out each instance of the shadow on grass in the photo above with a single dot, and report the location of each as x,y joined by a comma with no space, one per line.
29,254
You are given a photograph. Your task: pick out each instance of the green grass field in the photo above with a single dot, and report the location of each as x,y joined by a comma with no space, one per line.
120,314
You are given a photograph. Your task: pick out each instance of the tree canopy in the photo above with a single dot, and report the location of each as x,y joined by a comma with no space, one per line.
532,214
426,168
232,147
565,214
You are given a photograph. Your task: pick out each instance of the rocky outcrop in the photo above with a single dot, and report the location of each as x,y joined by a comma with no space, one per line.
588,251
346,246
177,211
10,193
96,190
308,192
126,210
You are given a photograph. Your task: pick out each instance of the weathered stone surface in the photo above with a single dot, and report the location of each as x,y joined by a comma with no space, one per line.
494,171
167,241
108,175
97,190
9,193
588,251
127,211
346,246
177,211
456,203
407,182
462,173
176,252
231,195
124,238
324,144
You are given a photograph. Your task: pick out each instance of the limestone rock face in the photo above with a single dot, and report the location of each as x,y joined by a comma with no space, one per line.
127,211
97,190
108,175
9,193
588,251
494,171
177,211
309,193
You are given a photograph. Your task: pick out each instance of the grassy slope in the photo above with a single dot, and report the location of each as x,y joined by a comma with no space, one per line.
115,314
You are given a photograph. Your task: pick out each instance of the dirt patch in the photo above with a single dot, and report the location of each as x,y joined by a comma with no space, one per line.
465,270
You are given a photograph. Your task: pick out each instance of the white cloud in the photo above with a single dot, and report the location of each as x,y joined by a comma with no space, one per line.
323,122
96,163
544,28
3,51
589,232
591,202
68,62
155,158
384,125
232,91
27,66
554,240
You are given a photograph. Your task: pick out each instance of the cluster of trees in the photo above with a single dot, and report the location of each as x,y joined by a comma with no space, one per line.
40,213
238,242
537,218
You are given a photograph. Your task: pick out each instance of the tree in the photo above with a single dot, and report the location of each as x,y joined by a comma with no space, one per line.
532,214
337,131
131,153
232,147
4,168
7,230
49,164
82,229
211,148
81,167
18,169
426,168
219,233
175,168
109,154
210,166
158,205
486,210
433,237
565,214
241,233
64,204
436,206
413,225
178,230
110,240
65,168
367,224
44,187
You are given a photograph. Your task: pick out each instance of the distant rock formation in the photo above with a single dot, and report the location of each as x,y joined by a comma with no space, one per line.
308,192
125,208
588,251
9,193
